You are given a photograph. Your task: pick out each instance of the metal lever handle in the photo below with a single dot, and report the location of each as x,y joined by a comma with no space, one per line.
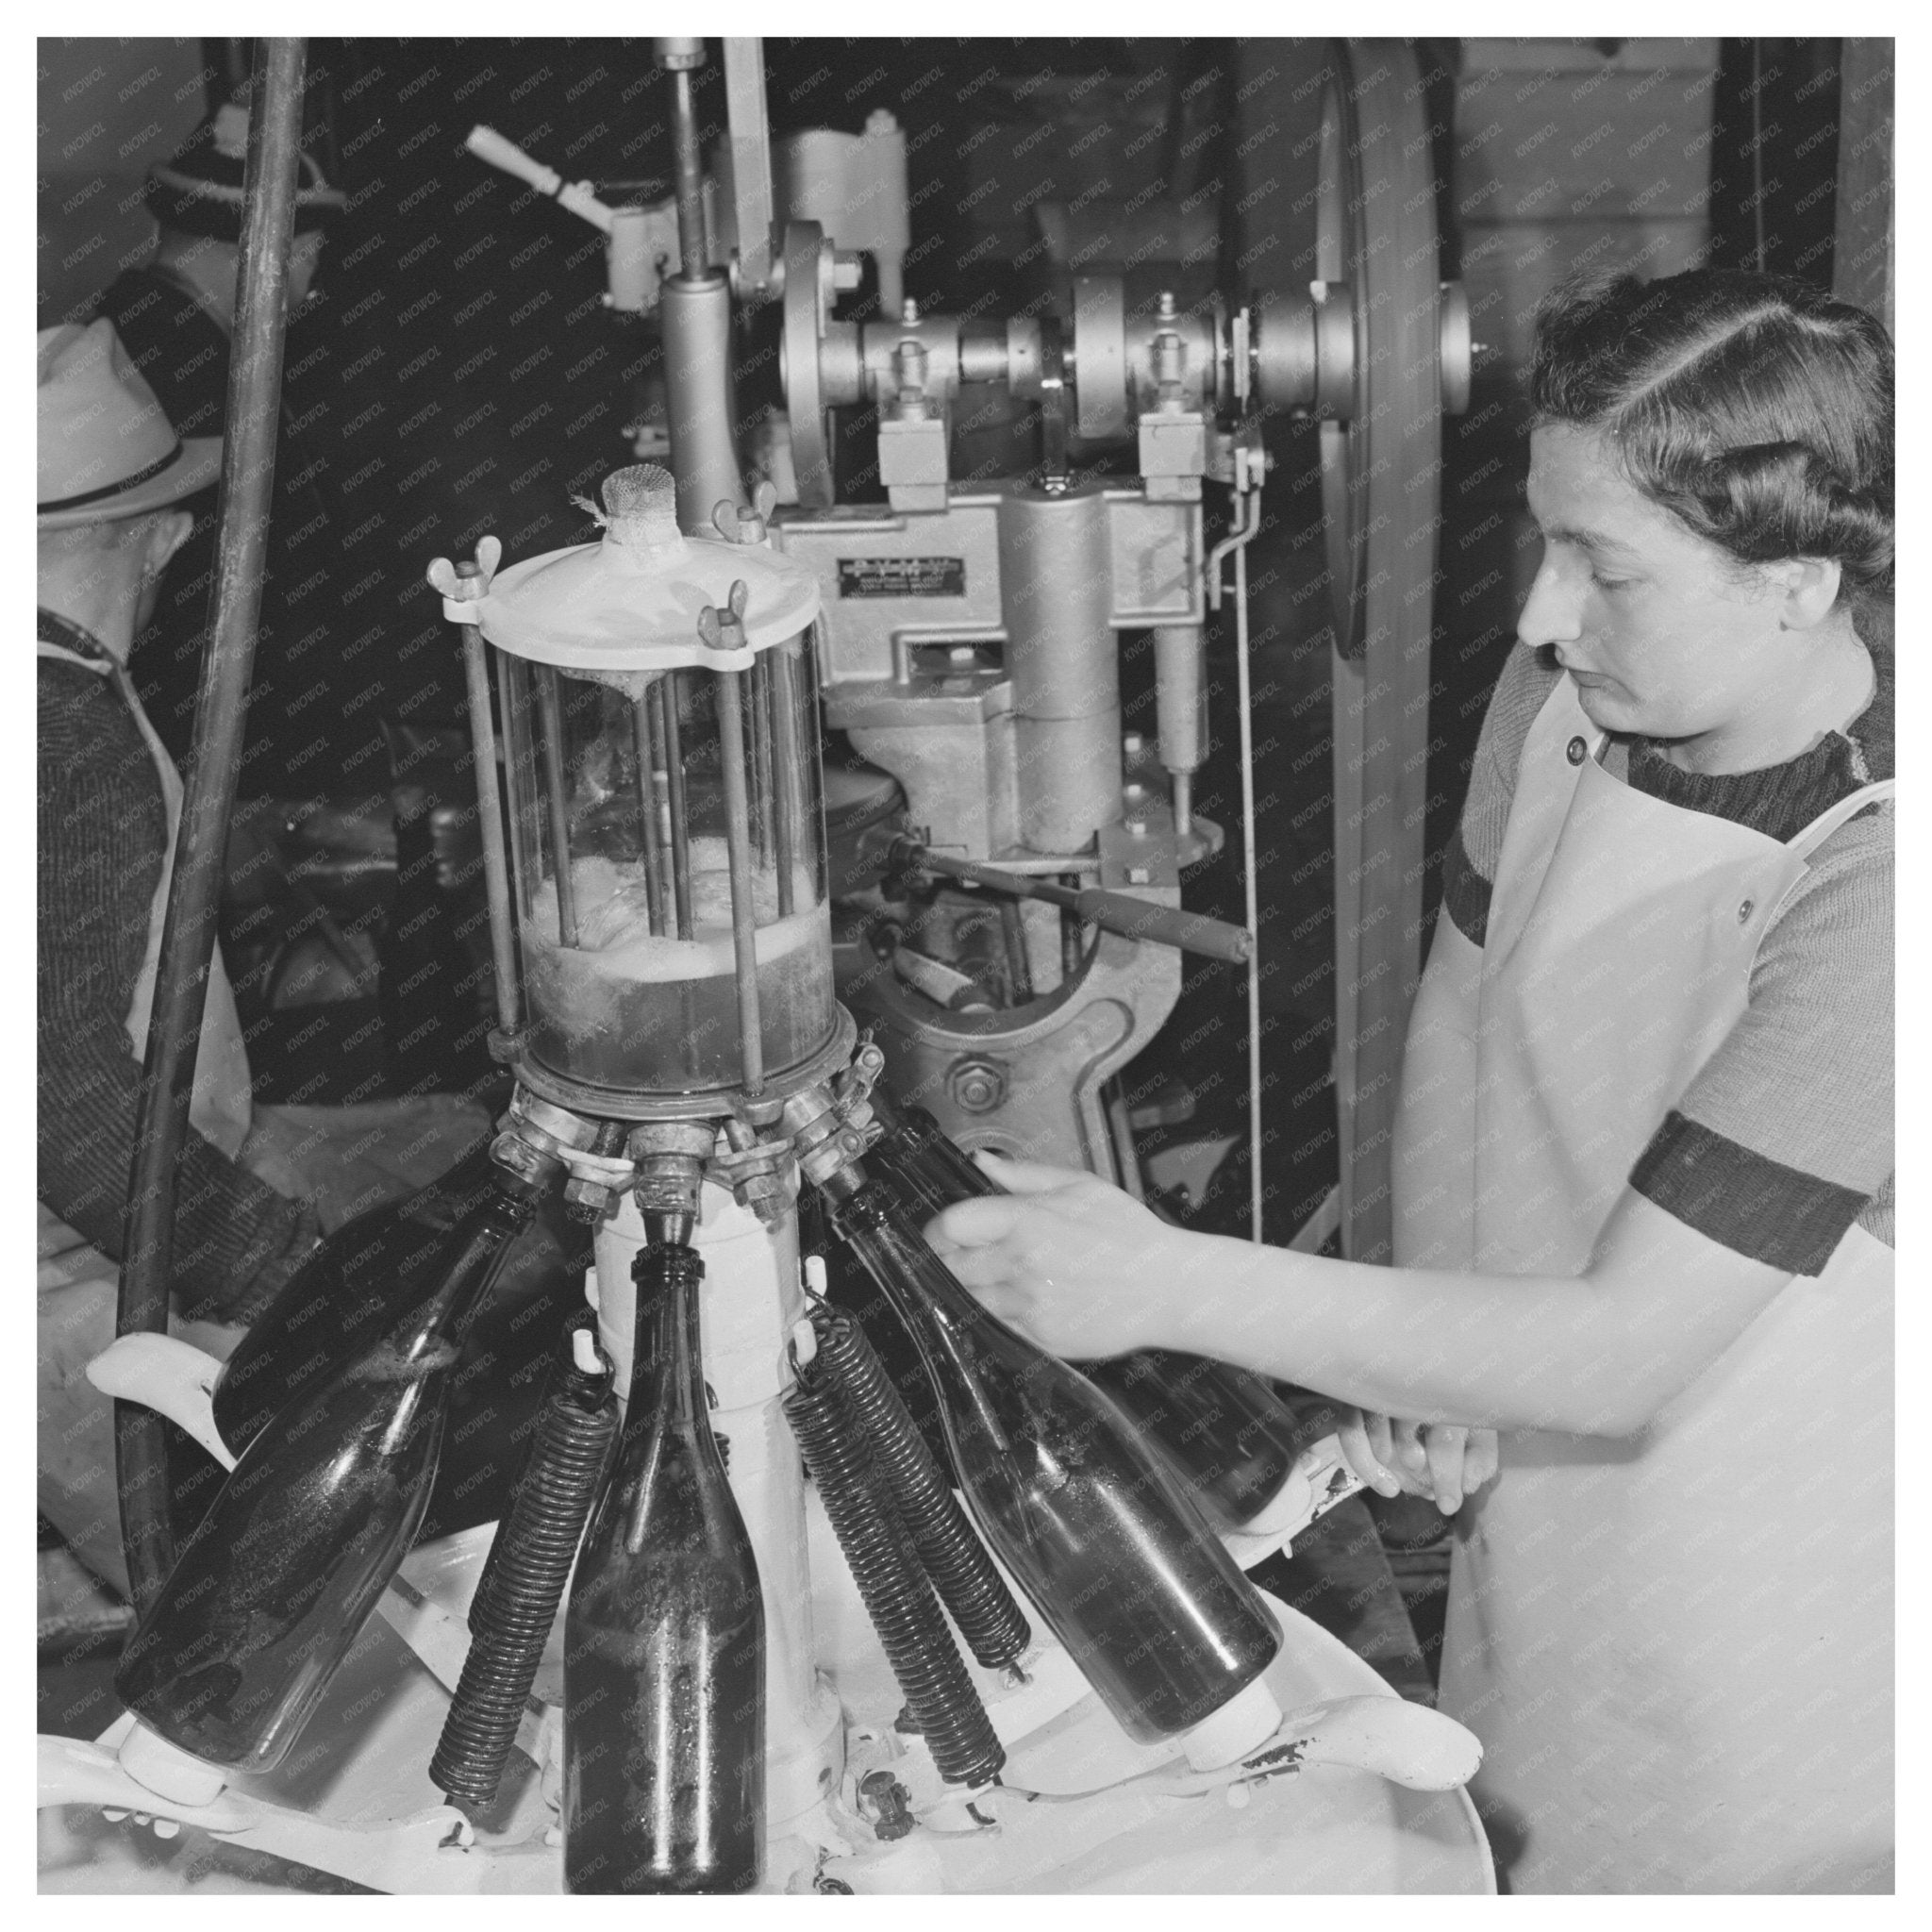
500,152
1117,912
1166,926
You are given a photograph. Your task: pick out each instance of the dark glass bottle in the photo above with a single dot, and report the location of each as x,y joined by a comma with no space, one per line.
664,1645
275,1585
368,1275
1226,1433
1119,1563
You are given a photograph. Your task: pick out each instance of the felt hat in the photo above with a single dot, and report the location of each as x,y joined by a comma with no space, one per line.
198,189
106,447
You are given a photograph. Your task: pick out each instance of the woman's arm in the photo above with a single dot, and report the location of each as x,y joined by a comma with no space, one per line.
1088,1273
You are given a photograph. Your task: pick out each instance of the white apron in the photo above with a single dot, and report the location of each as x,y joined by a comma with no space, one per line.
220,1109
1677,1649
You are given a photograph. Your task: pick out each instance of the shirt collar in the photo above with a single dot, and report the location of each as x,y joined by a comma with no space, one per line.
52,628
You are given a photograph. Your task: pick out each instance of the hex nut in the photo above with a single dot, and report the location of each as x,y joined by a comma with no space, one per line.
976,1086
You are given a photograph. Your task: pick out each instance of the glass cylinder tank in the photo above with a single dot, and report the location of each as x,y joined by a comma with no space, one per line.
666,827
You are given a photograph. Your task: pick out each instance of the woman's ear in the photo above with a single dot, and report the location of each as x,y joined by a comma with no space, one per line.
1809,587
171,530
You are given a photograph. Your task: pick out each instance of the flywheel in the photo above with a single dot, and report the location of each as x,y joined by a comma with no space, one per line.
1377,250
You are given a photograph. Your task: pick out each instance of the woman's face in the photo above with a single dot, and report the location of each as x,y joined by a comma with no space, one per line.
1662,634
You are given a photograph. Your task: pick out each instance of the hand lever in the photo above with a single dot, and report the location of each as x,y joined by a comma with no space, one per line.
1117,912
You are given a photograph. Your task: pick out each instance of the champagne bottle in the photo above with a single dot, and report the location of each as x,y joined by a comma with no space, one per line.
275,1585
1228,1436
1098,1532
664,1667
365,1276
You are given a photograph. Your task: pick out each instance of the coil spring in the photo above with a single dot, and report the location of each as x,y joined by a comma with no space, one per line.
993,1624
897,1597
516,1600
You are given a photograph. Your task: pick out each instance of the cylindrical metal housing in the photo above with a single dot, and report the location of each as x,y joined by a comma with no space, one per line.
983,351
696,312
1305,350
1057,583
1180,695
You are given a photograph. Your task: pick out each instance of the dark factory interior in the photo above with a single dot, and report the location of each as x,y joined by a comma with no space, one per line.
458,371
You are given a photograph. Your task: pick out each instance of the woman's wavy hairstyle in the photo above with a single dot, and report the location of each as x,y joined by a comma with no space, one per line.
1755,408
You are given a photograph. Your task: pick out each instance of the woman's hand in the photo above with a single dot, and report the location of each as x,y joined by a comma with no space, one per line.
1071,1261
1440,1460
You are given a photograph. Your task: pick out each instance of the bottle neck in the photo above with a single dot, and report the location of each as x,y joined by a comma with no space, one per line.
487,1234
667,1373
954,1336
947,1170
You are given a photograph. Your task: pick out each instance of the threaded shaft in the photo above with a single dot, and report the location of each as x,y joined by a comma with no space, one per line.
897,1597
971,1588
516,1600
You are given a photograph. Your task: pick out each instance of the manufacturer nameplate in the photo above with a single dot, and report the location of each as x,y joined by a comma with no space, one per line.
902,576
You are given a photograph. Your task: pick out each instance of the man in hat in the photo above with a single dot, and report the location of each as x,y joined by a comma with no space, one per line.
175,315
113,477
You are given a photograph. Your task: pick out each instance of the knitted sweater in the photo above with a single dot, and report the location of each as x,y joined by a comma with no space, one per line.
102,832
1783,1140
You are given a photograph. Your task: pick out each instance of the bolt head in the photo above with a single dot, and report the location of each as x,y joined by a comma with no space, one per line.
976,1086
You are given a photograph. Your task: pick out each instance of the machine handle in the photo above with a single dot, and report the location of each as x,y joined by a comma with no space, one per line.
501,152
1166,926
1117,912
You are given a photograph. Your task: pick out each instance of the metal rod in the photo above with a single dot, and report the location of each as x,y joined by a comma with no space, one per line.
551,711
188,930
647,814
1117,912
1183,803
692,247
490,805
765,817
790,806
1069,931
516,734
1013,930
745,934
680,824
660,805
1250,885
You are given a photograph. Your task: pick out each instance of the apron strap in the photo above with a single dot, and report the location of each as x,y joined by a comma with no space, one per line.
1827,822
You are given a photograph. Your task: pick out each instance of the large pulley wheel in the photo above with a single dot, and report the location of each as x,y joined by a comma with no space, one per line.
807,307
1376,231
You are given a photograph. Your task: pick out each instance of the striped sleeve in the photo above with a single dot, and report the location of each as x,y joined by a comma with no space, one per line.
1784,1139
1469,867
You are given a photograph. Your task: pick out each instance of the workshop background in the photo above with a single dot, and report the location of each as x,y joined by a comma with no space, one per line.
455,372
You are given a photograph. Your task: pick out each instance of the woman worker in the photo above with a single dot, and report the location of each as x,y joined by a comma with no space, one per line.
1644,1162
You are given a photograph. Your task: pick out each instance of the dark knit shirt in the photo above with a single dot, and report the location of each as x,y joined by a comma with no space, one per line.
1782,1140
102,827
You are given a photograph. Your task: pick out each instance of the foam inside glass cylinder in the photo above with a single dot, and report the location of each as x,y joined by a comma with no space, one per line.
644,1000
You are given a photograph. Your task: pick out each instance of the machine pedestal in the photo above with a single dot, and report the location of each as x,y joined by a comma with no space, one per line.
362,1764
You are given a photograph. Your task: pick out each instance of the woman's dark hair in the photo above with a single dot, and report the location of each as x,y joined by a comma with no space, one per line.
1755,408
